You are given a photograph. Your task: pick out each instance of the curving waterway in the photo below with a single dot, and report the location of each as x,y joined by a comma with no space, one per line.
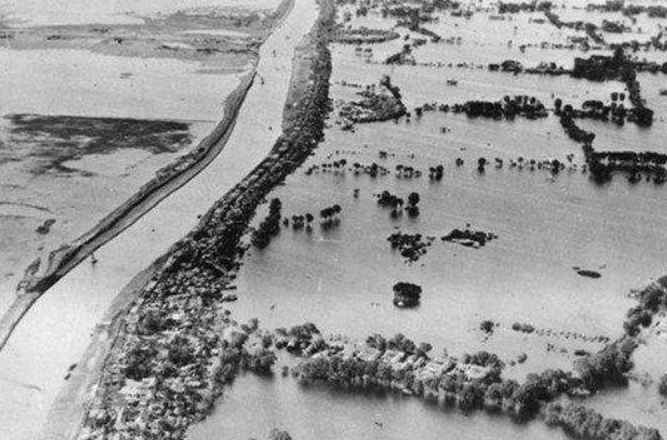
57,330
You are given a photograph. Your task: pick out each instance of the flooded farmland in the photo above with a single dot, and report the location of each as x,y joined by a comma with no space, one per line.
546,223
429,219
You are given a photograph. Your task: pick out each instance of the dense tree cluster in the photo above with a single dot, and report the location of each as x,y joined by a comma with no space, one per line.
364,35
389,200
509,108
602,67
277,434
614,111
523,327
457,384
651,300
407,172
139,362
325,167
532,6
410,246
406,294
378,103
603,163
260,361
608,366
402,57
566,114
614,27
662,385
329,216
469,237
300,222
412,207
629,10
587,424
435,173
269,227
617,66
297,338
338,167
555,20
487,326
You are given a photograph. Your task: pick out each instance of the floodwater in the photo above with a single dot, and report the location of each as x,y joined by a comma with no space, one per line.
56,331
341,279
82,83
547,225
254,405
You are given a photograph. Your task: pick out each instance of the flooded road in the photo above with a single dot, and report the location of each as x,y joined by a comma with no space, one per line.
56,331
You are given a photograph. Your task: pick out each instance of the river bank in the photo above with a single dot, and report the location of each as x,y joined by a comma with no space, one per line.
172,62
47,270
220,231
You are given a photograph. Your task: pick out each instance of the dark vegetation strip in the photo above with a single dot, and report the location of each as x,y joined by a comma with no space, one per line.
57,135
629,10
602,164
364,36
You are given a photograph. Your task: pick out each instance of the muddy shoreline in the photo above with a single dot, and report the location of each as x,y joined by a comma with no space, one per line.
95,388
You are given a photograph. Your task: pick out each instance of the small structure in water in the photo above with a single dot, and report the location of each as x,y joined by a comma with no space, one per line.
589,273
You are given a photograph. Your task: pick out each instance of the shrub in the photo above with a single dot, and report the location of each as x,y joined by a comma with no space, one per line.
662,386
139,362
277,434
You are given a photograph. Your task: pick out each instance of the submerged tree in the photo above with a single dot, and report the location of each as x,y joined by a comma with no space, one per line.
277,434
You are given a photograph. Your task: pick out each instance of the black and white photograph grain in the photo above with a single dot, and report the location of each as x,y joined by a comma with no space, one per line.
333,219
